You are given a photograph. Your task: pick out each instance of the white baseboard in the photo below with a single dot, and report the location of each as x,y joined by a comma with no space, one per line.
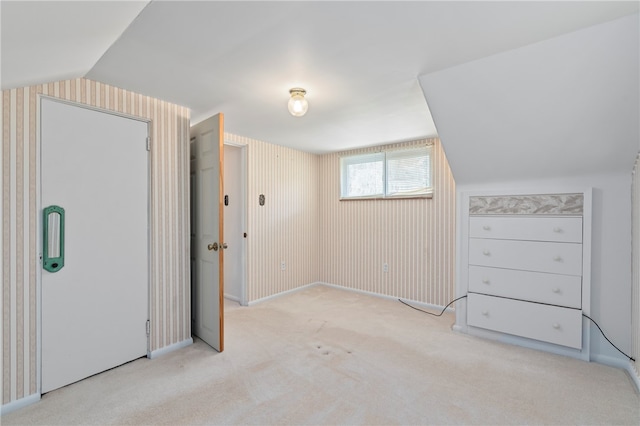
232,298
437,308
19,403
162,351
459,329
273,296
610,361
619,363
635,377
32,399
417,304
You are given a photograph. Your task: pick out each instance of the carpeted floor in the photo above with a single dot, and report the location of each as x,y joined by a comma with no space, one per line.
329,356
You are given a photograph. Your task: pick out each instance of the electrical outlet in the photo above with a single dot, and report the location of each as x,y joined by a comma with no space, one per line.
385,267
283,266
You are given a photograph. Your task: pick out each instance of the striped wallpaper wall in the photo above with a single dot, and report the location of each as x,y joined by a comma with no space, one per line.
415,237
635,289
286,228
170,299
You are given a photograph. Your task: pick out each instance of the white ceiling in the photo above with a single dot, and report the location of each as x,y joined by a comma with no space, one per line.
567,106
45,41
358,61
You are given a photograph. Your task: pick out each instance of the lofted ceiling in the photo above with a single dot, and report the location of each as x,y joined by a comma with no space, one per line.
359,61
564,107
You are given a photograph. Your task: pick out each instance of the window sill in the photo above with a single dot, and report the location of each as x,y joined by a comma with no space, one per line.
397,197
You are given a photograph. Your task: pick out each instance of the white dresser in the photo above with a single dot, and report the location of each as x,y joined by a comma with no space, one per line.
524,267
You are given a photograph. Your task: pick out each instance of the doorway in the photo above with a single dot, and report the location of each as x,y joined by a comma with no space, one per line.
235,222
94,283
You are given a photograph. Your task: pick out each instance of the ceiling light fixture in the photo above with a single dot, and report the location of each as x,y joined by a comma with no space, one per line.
298,105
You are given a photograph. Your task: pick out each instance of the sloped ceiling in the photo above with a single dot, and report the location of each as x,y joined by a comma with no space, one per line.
44,41
567,106
359,61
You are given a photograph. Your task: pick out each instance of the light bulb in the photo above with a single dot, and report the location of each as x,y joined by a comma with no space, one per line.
298,105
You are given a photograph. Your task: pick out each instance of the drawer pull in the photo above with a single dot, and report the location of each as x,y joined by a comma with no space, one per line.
485,313
486,228
486,252
557,258
557,229
556,290
556,326
485,281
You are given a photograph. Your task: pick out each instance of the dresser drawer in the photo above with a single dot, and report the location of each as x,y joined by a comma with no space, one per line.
559,229
556,258
553,324
552,289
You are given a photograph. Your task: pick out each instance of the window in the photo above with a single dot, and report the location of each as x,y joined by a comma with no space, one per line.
393,173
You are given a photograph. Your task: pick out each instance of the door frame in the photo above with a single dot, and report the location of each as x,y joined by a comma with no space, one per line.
39,225
243,219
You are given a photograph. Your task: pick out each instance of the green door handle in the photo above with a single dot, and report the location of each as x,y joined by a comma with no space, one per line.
53,239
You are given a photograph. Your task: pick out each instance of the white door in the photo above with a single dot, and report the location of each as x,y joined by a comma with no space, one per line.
233,223
94,165
207,246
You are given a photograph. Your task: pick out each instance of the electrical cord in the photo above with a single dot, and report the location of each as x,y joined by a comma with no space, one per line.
603,335
431,313
462,297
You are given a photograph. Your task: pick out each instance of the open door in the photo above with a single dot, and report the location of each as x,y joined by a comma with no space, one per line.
207,229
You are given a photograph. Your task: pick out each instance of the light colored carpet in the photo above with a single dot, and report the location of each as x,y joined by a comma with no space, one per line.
329,356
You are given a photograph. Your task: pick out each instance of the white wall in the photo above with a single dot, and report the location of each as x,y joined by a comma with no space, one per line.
560,113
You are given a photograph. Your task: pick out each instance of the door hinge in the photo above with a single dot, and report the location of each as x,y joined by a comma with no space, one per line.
148,143
148,327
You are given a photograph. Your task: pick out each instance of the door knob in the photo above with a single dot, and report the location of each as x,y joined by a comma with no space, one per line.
223,246
213,247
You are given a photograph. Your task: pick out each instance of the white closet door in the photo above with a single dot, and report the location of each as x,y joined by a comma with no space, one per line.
94,309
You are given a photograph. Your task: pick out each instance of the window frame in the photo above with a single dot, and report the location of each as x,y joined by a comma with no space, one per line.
352,158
